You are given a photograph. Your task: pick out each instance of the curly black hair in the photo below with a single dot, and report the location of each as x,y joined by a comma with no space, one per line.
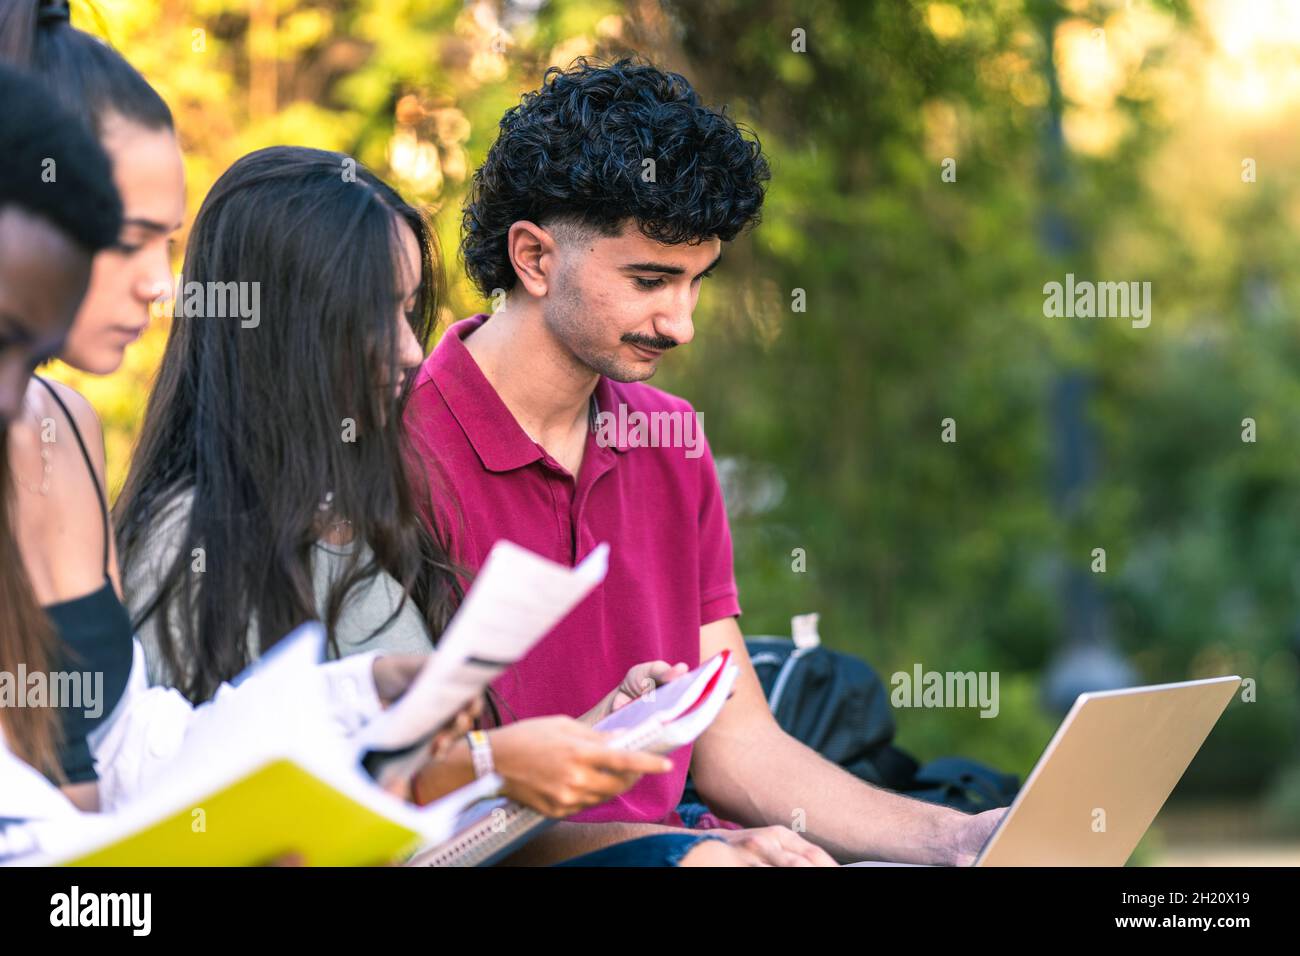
574,151
38,137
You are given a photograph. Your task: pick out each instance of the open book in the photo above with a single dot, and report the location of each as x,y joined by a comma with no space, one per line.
659,721
264,771
263,775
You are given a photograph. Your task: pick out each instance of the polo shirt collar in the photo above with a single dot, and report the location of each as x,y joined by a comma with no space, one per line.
488,424
497,438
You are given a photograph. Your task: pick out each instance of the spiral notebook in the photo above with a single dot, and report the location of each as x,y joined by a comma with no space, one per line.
660,721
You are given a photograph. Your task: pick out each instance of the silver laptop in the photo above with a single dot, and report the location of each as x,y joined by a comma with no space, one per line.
1105,775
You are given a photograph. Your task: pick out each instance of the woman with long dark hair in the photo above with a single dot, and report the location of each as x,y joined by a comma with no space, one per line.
266,487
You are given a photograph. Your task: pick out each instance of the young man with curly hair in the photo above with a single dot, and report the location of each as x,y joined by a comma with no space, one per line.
603,204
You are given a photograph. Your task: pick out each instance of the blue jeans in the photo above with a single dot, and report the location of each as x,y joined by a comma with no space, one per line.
662,849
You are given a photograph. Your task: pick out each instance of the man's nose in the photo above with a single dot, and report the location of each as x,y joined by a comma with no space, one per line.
677,324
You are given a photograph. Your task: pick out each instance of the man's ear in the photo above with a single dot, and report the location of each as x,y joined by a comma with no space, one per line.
533,253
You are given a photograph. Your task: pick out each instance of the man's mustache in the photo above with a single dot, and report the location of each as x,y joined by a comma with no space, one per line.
659,342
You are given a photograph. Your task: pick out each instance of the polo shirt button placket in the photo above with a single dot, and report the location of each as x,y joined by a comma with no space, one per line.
575,536
562,488
571,523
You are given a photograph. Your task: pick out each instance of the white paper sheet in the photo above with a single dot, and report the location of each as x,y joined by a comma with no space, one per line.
515,601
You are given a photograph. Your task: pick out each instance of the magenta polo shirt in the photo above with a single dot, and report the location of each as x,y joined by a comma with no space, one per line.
660,509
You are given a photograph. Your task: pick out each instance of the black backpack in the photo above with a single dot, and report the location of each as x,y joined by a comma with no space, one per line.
838,705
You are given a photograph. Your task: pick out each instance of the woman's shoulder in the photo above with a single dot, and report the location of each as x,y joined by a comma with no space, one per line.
374,615
42,391
44,433
145,569
60,496
57,401
161,536
49,408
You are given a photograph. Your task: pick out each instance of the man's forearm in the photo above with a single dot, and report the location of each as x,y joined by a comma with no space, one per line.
771,778
564,841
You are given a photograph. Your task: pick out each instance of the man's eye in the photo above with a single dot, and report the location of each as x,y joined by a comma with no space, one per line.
648,283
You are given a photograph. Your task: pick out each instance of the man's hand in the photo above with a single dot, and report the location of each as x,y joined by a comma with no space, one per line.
775,846
640,679
973,833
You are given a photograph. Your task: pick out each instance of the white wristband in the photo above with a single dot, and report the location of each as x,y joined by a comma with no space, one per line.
480,752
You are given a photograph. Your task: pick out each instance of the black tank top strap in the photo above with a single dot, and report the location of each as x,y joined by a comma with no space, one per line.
85,454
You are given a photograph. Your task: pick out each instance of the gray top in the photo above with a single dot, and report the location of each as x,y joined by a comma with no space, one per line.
367,607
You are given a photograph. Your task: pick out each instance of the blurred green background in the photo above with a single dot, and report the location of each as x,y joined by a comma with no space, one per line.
1118,141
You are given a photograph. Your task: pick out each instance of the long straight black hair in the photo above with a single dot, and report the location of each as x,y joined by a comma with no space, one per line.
254,419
